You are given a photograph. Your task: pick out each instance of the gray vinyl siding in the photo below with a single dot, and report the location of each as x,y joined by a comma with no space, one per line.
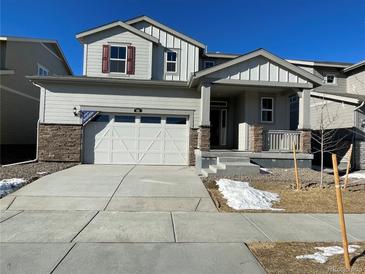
94,46
335,114
188,54
19,113
356,82
338,87
61,99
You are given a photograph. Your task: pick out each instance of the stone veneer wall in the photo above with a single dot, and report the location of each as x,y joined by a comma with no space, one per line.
204,138
193,144
255,138
60,143
359,154
305,141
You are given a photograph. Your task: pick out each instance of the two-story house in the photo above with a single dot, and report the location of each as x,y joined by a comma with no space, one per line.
152,95
338,106
19,110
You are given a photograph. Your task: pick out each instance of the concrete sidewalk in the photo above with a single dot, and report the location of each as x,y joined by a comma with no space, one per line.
154,242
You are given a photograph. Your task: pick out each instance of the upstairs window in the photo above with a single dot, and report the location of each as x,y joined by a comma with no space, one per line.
267,110
208,64
330,79
118,59
171,61
42,71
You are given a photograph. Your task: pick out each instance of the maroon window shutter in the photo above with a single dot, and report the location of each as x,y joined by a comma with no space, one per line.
131,60
105,65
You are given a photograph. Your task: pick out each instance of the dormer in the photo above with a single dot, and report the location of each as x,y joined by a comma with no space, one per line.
117,50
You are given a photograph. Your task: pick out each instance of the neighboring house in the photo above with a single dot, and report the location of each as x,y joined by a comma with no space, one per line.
152,95
340,104
19,98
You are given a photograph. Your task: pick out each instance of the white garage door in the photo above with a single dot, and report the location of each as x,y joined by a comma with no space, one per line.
137,139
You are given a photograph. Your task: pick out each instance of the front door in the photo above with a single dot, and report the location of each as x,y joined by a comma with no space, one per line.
218,127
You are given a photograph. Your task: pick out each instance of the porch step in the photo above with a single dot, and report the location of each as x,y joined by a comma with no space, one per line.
233,159
238,168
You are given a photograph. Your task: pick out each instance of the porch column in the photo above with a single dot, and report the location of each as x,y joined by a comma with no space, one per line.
304,124
204,127
205,105
304,109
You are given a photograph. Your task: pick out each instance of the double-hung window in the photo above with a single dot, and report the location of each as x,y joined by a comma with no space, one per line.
267,110
208,64
330,79
171,61
42,71
118,59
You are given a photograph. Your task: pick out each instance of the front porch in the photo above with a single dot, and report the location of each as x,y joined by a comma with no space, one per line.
254,111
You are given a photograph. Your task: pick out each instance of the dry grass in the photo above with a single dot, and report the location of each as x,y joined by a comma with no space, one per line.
279,258
311,199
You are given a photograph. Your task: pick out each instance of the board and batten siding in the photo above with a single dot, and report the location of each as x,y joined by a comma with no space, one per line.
258,69
188,54
335,114
117,36
356,82
61,99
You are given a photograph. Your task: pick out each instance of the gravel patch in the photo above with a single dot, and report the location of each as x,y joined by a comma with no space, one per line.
308,177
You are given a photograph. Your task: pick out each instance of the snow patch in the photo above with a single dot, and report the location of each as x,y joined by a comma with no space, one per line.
240,195
42,172
9,185
266,170
355,175
325,252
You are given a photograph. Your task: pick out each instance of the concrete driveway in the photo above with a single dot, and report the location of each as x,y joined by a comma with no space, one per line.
115,187
85,220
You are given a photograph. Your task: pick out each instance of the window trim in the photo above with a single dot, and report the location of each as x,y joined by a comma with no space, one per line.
266,109
116,59
176,62
334,79
39,66
208,61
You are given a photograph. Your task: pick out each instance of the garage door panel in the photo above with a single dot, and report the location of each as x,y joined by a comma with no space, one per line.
135,139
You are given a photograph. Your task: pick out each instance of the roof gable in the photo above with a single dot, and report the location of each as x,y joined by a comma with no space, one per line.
259,65
121,24
165,28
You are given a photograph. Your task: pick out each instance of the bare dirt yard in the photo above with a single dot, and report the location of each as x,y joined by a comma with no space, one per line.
280,258
310,199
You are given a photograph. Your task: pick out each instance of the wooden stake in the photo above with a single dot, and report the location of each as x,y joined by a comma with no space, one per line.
340,212
296,167
348,169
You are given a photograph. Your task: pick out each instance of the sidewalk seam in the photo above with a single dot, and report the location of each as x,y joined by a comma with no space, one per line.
333,227
196,208
57,264
12,216
78,233
115,191
11,203
256,226
173,226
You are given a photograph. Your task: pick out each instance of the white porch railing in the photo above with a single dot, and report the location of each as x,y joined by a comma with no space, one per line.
280,140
